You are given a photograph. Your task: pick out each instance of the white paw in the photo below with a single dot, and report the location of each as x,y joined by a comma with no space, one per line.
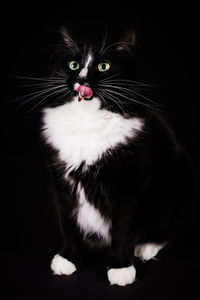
147,251
122,276
61,265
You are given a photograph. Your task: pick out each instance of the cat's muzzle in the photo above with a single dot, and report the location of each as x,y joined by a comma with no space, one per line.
84,92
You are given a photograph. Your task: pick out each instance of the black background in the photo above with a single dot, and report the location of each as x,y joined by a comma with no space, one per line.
167,39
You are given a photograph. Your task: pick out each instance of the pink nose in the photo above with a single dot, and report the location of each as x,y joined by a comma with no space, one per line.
84,91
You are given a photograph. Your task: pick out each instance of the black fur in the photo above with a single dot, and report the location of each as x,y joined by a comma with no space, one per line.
144,187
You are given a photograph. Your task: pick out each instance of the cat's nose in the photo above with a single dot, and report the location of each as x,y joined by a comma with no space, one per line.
82,81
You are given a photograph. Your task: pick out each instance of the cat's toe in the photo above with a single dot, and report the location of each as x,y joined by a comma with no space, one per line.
122,276
62,266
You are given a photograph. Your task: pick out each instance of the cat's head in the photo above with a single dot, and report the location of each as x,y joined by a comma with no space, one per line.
95,67
99,67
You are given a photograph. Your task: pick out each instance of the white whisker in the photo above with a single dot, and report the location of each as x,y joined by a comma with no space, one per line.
99,93
128,82
42,84
112,45
107,94
44,79
128,91
62,96
43,99
103,42
104,80
39,93
130,99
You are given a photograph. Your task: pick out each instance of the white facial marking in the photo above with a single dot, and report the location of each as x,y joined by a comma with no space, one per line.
76,85
147,251
82,132
122,276
89,218
84,71
61,265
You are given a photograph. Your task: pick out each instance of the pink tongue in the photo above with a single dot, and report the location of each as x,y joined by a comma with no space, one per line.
85,91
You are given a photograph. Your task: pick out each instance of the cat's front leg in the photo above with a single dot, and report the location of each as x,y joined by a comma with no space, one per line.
121,270
70,257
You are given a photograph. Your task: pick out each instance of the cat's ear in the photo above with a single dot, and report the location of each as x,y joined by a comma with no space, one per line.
127,41
65,34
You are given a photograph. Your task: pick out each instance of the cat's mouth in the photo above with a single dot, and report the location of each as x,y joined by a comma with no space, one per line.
84,92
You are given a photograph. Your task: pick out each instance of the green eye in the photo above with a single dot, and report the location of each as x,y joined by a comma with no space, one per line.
103,67
73,65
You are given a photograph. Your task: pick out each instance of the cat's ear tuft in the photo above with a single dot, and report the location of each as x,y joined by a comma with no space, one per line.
127,41
65,34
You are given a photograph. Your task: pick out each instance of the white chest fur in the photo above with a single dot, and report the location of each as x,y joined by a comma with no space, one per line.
81,131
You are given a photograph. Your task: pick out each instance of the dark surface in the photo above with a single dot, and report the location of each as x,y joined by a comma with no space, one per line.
170,278
30,231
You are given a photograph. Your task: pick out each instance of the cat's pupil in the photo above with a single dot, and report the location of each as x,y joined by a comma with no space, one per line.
103,66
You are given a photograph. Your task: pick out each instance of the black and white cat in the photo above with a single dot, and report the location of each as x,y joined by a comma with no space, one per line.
122,180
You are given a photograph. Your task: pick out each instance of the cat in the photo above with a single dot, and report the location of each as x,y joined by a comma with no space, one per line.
122,180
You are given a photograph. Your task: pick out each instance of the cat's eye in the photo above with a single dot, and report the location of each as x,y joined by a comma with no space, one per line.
73,65
102,67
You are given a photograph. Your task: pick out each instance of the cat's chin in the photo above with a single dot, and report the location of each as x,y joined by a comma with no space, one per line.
84,99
